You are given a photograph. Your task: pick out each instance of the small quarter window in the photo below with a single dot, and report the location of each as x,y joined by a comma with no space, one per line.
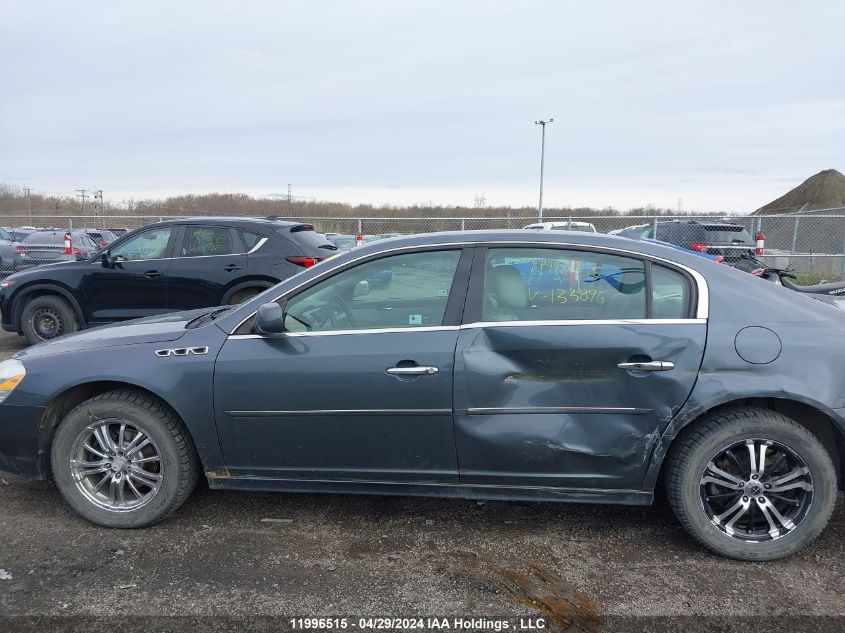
250,239
670,294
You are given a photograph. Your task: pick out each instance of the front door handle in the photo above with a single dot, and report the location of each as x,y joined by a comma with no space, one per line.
418,370
230,267
153,274
651,365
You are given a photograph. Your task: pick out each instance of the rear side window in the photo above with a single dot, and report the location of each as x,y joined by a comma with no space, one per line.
199,241
541,284
523,284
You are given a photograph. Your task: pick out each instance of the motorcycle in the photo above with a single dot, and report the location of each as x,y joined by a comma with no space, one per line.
782,276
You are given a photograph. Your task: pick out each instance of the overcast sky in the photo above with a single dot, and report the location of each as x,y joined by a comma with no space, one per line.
725,105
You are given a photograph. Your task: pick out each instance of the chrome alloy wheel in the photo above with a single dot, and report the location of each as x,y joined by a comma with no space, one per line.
116,465
756,490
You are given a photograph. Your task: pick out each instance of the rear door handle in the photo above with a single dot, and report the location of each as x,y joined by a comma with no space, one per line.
651,365
153,274
419,370
230,267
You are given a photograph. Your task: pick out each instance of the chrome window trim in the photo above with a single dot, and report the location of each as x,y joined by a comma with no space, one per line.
258,245
491,324
703,293
478,325
132,261
202,256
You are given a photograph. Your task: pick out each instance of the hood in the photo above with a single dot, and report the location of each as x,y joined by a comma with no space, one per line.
154,329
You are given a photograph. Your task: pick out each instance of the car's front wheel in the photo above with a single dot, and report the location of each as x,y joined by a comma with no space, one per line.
123,459
46,317
751,484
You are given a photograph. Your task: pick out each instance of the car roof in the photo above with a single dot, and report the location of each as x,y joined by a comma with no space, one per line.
704,223
234,221
561,223
525,238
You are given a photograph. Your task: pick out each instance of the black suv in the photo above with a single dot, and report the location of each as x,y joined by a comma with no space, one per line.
714,238
166,267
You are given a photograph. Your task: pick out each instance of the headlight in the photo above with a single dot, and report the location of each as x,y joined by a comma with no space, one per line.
11,373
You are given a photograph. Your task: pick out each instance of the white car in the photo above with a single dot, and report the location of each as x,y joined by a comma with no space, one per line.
567,225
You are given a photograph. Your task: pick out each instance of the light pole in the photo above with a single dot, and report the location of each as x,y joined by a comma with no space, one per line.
542,123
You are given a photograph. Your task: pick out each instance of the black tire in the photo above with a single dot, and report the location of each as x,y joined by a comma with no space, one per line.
179,465
244,294
46,317
699,446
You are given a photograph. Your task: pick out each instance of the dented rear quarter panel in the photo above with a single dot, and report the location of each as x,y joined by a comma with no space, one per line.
808,369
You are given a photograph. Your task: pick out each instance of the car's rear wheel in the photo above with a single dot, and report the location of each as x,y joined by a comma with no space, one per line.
123,459
46,317
751,484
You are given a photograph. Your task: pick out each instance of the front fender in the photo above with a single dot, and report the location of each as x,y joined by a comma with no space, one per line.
19,299
185,383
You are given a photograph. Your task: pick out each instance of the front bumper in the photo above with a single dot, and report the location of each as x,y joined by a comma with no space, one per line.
21,448
6,312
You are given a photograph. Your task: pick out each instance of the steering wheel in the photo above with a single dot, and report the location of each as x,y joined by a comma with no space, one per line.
339,307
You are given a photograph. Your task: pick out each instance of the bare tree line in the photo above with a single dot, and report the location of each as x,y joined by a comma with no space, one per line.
15,202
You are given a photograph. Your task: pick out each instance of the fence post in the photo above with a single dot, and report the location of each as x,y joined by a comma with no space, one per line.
463,224
842,257
654,226
360,227
794,239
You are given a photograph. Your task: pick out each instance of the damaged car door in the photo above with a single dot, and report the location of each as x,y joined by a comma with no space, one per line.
570,364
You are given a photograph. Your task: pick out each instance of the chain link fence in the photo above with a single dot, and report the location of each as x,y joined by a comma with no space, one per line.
812,244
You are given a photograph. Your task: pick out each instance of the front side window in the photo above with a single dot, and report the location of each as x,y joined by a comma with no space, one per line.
400,291
150,244
539,284
199,241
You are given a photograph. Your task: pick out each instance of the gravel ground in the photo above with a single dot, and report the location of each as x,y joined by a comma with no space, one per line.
245,555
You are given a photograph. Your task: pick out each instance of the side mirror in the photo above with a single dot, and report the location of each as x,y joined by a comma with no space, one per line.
105,259
270,319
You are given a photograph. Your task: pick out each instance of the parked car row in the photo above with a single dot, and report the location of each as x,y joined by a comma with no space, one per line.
166,267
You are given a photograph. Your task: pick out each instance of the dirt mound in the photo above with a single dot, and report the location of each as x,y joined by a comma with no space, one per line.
823,190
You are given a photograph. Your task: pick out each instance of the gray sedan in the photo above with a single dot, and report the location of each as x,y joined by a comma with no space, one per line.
544,366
